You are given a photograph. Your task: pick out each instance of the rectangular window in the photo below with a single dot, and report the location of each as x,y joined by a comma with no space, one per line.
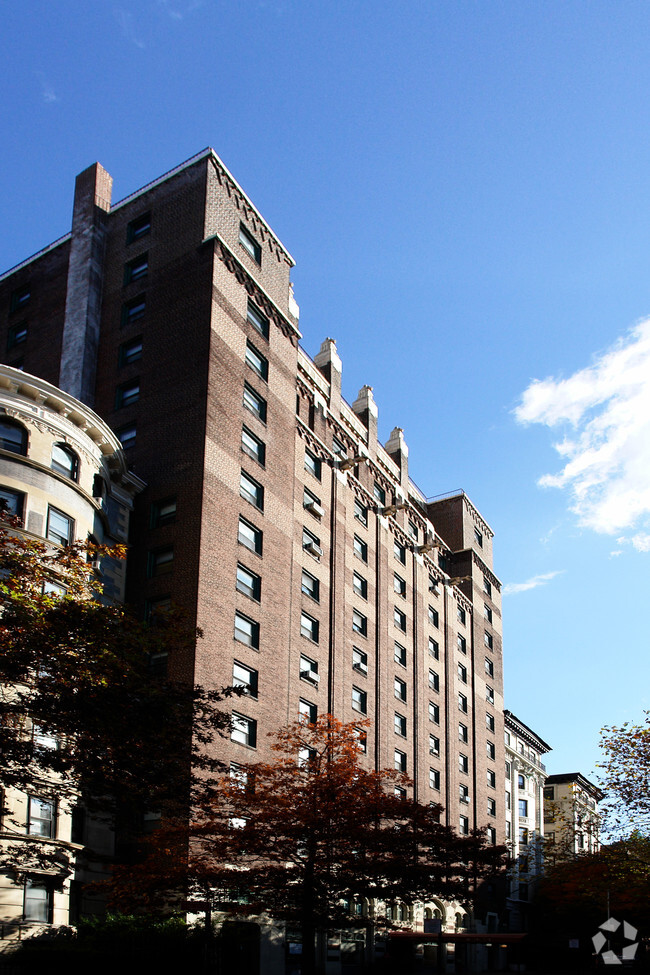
257,362
399,585
126,435
248,583
549,792
521,781
400,654
16,335
463,825
127,394
434,681
309,627
461,642
434,617
508,800
508,829
251,490
245,677
434,648
379,494
308,712
413,530
360,549
41,818
361,512
487,637
463,793
399,618
434,745
462,673
37,905
359,660
19,297
489,667
462,703
338,448
254,402
487,612
133,311
309,669
12,502
130,351
463,763
491,778
434,779
137,269
359,700
313,464
461,615
249,244
60,528
489,694
244,730
434,713
433,586
360,585
247,631
250,536
478,538
523,836
522,805
463,732
490,749
491,807
400,760
359,623
400,725
489,722
311,544
312,503
508,771
487,586
253,446
400,689
310,586
400,552
138,228
259,321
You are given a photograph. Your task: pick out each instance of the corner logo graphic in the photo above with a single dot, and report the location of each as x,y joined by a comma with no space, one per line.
611,927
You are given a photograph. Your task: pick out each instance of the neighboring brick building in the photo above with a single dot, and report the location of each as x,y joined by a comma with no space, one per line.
320,575
571,816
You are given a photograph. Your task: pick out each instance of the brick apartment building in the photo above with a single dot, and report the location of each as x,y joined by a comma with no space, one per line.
322,578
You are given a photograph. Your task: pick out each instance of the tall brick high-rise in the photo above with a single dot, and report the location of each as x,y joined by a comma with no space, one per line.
320,575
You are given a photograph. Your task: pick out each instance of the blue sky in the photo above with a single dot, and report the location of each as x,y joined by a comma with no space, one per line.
465,187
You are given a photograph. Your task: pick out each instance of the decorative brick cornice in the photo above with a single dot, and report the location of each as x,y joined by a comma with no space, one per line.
486,572
315,445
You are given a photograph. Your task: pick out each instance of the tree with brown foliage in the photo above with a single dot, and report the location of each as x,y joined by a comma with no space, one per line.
626,777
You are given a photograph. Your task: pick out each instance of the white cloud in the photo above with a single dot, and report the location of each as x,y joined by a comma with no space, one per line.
47,91
540,580
125,21
605,445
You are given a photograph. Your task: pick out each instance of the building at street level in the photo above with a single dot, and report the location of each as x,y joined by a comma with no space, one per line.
323,579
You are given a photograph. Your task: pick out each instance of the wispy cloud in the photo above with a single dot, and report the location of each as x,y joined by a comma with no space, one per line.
605,411
125,20
48,93
540,580
178,10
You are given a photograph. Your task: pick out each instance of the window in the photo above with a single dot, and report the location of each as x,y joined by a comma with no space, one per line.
522,805
249,244
254,402
463,732
489,642
400,725
12,502
19,297
250,536
379,494
461,643
130,351
489,694
462,703
508,800
257,362
487,612
400,654
127,394
508,770
400,760
521,781
359,623
309,627
433,616
523,890
434,745
461,615
360,585
16,335
41,818
360,512
462,673
433,586
308,712
400,689
360,549
248,583
434,648
60,528
399,585
312,503
463,793
137,269
157,610
506,737
434,713
549,792
253,446
245,677
247,631
138,228
126,435
523,836
311,544
359,660
463,825
508,829
37,905
310,586
478,538
309,669
487,586
313,464
400,552
399,619
490,749
259,321
491,778
489,667
491,835
133,311
13,437
434,681
434,779
338,448
400,793
244,730
489,722
463,763
359,700
251,490
163,513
